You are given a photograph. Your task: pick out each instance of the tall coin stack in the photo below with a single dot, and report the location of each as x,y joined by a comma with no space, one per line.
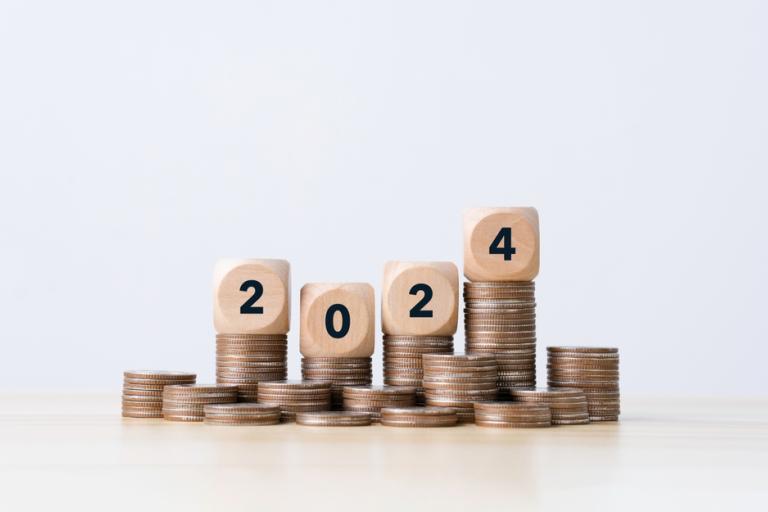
595,370
251,314
143,391
340,371
247,359
501,260
458,381
500,319
419,315
403,364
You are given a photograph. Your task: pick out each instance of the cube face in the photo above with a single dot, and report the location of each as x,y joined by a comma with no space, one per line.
501,244
251,296
337,320
420,298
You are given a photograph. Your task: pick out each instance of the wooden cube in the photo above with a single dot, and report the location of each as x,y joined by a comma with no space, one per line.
251,296
337,320
501,244
420,298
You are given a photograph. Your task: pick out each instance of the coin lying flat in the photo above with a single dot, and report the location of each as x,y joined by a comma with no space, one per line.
334,419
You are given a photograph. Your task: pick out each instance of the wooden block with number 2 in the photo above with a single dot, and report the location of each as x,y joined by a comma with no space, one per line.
251,296
501,244
420,298
337,320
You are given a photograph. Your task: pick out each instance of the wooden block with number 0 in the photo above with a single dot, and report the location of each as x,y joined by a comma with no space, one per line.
251,296
337,320
501,244
420,298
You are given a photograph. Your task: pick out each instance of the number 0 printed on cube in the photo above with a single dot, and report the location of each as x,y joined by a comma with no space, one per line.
501,244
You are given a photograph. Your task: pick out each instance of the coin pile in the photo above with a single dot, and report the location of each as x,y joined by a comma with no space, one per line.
595,370
241,414
500,319
333,419
340,371
247,359
187,402
371,399
143,391
512,415
402,359
296,396
568,405
419,417
457,381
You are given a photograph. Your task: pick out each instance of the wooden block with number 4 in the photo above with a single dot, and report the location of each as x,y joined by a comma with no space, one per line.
501,244
337,320
251,296
420,298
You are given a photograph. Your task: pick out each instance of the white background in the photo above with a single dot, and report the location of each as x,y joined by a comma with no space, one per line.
139,142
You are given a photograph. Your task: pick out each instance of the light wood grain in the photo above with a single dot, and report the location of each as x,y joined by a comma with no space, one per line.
317,299
398,298
274,276
482,226
77,453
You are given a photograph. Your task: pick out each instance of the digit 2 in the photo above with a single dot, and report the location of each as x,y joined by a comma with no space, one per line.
248,307
418,310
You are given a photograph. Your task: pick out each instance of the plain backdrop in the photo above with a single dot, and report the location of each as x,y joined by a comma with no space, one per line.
140,141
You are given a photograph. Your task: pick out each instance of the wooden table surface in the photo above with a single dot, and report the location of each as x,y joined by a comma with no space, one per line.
77,453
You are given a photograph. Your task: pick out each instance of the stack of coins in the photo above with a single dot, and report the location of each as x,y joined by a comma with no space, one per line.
296,396
372,399
592,369
512,415
333,419
247,359
402,359
241,414
143,391
187,402
340,371
419,417
458,381
500,319
568,405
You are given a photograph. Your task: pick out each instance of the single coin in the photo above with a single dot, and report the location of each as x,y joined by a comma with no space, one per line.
334,419
294,384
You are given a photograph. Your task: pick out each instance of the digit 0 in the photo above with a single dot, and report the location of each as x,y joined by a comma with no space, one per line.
345,321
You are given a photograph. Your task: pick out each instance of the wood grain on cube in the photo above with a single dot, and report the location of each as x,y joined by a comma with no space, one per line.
501,244
251,296
337,320
420,298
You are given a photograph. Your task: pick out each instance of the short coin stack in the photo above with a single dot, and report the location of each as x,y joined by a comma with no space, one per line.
296,396
419,417
241,414
595,370
457,381
187,402
247,359
143,391
568,405
500,319
340,371
333,419
402,359
512,415
372,399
